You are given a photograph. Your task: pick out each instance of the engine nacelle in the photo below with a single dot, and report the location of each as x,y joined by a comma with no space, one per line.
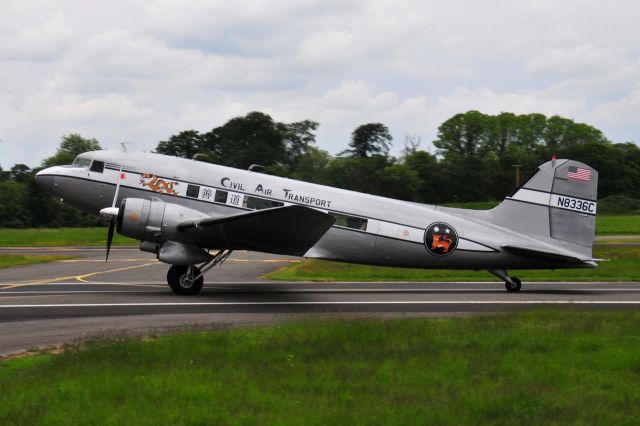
153,220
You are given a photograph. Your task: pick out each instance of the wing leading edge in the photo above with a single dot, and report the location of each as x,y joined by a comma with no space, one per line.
288,230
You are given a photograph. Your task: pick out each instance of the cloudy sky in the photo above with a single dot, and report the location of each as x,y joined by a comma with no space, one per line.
140,71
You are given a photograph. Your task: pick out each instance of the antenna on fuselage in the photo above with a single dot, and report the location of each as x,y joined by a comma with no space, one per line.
124,146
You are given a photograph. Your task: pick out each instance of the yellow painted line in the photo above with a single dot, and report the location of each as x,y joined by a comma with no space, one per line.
81,278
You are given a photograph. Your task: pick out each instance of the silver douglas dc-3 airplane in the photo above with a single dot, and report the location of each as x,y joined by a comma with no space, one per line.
192,215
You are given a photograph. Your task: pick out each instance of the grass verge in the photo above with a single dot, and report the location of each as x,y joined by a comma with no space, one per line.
60,237
618,225
9,260
623,265
535,367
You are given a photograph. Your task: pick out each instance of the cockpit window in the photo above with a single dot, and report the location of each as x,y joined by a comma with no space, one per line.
81,162
97,166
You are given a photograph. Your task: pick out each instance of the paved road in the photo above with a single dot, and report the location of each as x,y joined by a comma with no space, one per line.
64,301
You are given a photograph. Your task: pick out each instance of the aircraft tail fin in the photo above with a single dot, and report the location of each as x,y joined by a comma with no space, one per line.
558,201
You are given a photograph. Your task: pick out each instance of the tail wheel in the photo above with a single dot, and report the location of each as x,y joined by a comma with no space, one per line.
514,286
182,279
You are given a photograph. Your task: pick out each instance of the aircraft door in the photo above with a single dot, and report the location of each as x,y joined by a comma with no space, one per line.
386,240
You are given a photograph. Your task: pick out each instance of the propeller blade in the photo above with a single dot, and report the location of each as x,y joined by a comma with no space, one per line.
112,224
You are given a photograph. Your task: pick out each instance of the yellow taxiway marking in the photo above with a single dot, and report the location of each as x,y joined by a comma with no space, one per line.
80,278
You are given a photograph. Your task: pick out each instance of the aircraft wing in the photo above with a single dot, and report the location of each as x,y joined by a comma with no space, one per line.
288,230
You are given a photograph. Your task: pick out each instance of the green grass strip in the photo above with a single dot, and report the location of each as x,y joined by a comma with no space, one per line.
9,260
623,265
534,368
618,225
60,237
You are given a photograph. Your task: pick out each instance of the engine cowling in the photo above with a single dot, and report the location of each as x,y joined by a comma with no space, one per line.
153,220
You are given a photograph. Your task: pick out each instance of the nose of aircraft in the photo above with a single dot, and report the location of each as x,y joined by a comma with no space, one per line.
46,180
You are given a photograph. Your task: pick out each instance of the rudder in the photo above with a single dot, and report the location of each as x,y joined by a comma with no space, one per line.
559,201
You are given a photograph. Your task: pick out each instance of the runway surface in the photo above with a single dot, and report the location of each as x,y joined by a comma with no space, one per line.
64,301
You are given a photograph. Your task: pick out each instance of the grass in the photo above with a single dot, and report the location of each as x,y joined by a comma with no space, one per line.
535,367
60,237
9,260
618,225
624,265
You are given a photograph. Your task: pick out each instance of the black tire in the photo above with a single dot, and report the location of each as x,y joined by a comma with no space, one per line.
515,286
176,277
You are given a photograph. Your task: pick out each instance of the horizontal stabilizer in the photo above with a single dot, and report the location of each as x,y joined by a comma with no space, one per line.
288,230
542,252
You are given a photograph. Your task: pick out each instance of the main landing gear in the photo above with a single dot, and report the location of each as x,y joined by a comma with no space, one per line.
189,279
512,284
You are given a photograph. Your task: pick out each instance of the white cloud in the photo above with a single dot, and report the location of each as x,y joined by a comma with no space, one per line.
584,59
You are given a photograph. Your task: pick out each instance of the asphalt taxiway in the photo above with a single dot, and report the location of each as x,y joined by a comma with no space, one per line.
81,298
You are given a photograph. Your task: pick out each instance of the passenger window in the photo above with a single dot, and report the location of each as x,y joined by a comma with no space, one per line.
256,203
350,221
97,166
193,191
221,196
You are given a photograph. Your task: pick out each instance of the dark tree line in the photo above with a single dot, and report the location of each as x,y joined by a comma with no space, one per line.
475,159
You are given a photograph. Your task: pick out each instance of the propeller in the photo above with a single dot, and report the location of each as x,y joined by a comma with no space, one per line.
112,224
113,212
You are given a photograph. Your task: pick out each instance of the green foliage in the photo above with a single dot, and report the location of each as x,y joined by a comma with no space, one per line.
186,144
534,368
13,197
253,139
619,204
71,146
312,166
369,139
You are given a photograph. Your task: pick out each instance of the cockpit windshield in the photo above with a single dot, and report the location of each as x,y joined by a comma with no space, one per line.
81,162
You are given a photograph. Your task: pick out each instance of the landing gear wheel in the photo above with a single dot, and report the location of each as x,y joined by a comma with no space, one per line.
182,280
514,286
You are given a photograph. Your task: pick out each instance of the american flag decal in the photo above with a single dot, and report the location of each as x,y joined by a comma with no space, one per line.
578,173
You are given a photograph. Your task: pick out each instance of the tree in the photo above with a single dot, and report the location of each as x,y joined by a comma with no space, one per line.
358,174
185,144
252,139
71,146
12,204
432,189
312,166
298,138
463,135
20,173
369,139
